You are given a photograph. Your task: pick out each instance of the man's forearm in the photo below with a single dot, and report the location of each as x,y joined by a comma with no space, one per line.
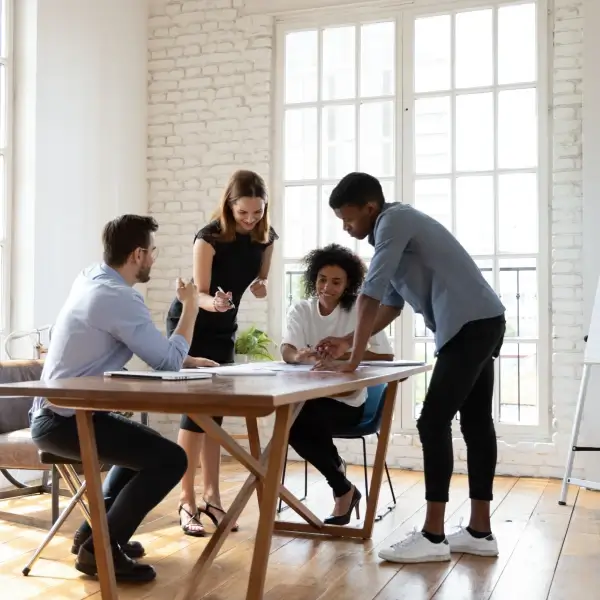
367,309
185,327
385,316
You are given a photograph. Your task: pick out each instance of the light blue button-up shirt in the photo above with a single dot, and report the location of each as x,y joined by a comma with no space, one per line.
103,323
417,260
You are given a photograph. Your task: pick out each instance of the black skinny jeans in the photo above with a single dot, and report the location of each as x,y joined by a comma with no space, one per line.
311,437
147,465
462,380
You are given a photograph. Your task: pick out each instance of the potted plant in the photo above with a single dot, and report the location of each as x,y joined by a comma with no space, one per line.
252,345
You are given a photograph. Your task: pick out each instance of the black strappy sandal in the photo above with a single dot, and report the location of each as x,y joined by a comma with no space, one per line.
206,510
191,527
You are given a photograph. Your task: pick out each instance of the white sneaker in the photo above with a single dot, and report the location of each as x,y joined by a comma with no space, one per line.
463,541
416,548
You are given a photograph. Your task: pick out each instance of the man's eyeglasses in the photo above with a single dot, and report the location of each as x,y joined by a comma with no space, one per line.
153,252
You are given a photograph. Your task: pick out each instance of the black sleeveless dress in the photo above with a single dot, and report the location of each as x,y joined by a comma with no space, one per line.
235,266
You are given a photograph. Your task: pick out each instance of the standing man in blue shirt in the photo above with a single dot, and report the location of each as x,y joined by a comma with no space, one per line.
417,260
103,323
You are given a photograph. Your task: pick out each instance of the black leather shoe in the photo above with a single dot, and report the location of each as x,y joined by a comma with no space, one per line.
345,518
131,549
126,569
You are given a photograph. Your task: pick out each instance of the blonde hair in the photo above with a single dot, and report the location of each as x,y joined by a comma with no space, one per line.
242,184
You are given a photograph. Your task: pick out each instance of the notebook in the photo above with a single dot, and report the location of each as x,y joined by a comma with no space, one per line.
164,375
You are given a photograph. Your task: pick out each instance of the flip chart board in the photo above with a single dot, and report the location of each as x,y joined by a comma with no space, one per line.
592,348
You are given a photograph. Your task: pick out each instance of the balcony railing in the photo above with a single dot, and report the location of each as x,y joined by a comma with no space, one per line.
516,383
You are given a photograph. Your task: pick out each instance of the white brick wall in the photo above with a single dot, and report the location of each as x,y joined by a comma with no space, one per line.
210,76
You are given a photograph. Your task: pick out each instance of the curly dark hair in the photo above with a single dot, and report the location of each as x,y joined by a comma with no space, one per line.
339,256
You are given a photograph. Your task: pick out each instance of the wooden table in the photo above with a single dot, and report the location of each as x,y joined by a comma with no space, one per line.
249,397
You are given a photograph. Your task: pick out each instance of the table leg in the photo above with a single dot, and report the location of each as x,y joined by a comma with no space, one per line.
217,539
366,531
268,504
254,441
91,469
378,463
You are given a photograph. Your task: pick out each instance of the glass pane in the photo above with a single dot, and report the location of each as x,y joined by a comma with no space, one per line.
517,43
3,207
434,197
518,213
339,72
517,385
517,129
424,351
376,145
301,60
473,39
365,250
339,141
432,54
475,132
332,229
300,217
519,294
432,135
377,54
3,100
300,143
475,214
293,287
2,323
487,270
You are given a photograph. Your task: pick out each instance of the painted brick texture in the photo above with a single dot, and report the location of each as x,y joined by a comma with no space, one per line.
210,104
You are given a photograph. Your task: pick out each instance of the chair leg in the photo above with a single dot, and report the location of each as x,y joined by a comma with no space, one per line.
305,479
55,491
392,505
279,508
364,444
76,499
75,484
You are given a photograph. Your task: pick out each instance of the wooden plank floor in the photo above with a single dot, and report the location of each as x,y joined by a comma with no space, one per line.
546,551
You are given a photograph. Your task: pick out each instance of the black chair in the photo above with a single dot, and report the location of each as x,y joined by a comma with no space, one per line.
370,424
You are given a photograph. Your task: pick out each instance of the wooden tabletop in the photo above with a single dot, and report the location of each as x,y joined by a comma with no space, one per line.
189,396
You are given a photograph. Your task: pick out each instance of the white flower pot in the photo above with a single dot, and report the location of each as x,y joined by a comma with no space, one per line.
240,359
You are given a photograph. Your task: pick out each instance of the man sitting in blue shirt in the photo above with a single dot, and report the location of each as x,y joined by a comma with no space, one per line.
417,260
102,324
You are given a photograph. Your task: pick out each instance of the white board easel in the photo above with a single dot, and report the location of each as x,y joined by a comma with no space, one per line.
591,358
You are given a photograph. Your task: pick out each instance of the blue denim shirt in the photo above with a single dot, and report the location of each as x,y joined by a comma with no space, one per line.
417,260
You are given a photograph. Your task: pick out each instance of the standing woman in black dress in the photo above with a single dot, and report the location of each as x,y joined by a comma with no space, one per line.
231,254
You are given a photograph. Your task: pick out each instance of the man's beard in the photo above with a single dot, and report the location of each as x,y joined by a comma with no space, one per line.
143,275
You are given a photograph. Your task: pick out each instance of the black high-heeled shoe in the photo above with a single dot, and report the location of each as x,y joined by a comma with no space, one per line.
345,518
207,511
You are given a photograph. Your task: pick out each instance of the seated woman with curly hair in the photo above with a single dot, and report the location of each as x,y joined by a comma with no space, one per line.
332,280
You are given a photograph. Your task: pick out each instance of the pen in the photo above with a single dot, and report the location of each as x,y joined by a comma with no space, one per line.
222,292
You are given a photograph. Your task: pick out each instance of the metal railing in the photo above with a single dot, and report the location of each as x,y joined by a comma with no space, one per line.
516,320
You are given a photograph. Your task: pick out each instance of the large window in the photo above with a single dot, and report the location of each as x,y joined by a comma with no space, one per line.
445,110
5,157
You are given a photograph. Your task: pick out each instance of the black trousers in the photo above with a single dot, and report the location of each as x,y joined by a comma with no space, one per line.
311,437
462,380
147,465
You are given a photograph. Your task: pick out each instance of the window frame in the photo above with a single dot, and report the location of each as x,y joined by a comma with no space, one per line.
6,195
404,17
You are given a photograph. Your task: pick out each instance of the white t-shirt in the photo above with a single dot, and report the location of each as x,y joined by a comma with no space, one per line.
306,326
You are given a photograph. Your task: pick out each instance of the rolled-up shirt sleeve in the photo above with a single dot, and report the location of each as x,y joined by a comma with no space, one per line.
391,238
392,298
131,324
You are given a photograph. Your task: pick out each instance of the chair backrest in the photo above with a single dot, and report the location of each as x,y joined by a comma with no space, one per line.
14,411
373,412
